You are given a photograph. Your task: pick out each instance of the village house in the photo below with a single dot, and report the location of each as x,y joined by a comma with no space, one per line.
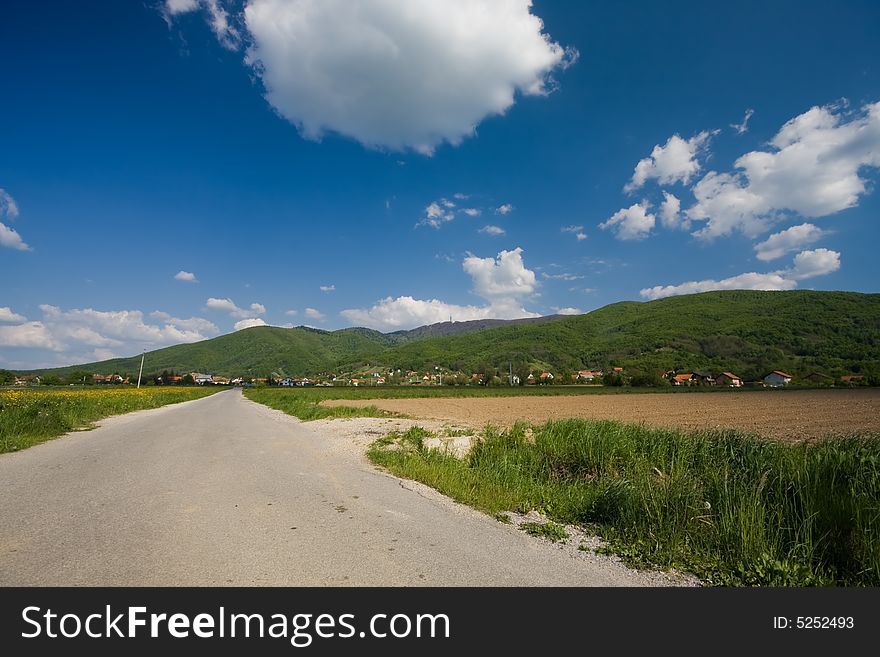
683,379
729,380
704,378
777,379
852,379
817,378
585,375
546,377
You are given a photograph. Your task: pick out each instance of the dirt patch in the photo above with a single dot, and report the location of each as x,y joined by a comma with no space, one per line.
788,414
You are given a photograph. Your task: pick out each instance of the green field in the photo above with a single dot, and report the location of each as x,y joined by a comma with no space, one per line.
29,417
733,509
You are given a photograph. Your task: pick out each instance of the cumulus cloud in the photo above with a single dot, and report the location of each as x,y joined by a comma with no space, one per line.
569,311
472,212
227,305
186,276
437,213
248,323
82,334
505,208
492,230
29,334
391,74
314,313
503,282
675,161
327,288
9,237
742,128
7,315
580,236
813,169
500,278
670,212
788,240
818,262
632,223
807,264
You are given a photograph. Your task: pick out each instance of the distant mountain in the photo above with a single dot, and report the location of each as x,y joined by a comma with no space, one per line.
444,329
747,332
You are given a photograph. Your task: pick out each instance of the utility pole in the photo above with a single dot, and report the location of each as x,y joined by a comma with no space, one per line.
509,373
142,367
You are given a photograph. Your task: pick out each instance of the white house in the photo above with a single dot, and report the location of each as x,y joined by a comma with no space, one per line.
777,379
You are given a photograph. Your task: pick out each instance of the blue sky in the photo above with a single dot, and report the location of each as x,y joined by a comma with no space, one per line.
172,171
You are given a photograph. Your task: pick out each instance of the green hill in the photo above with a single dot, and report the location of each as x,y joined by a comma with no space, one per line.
747,332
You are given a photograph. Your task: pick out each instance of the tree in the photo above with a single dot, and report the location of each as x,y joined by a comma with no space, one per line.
187,380
6,377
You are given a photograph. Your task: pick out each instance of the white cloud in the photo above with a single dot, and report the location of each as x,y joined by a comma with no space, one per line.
291,313
29,334
818,262
561,277
472,212
676,161
742,128
632,223
492,230
569,311
313,313
328,288
437,213
174,7
506,276
7,315
197,324
788,240
8,206
807,264
227,305
572,229
391,74
503,282
186,276
86,334
248,323
670,212
10,238
813,170
218,19
505,208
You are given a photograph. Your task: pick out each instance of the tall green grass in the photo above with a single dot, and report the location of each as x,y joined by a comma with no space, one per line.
732,508
29,417
304,404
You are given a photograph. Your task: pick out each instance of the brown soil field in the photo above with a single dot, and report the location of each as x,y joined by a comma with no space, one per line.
787,414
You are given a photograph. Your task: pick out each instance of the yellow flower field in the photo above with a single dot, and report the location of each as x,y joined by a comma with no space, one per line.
31,416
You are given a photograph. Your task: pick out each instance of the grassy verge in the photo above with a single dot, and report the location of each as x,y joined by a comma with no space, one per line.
304,404
733,509
29,417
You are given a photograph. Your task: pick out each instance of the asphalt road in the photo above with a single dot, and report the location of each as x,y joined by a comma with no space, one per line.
223,491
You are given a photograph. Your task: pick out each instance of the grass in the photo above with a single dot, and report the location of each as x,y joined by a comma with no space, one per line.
303,403
732,508
552,531
29,417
